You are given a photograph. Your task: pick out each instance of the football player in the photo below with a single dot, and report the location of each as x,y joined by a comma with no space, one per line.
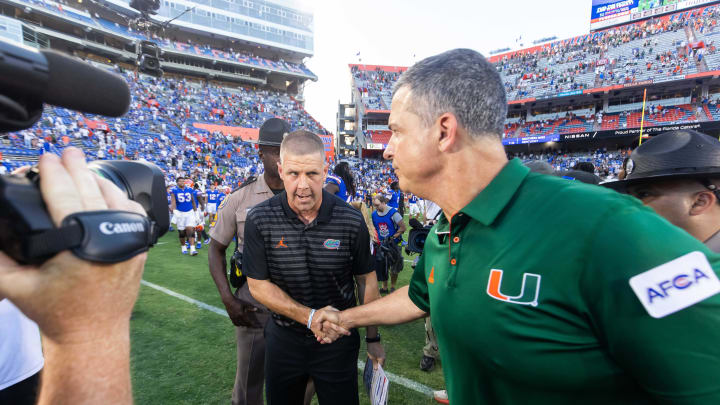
183,207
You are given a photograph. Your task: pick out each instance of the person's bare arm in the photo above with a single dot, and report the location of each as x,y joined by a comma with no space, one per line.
367,288
279,302
240,313
401,229
82,308
392,309
368,292
332,188
218,265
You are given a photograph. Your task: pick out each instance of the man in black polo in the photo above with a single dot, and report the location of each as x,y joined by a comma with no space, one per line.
304,250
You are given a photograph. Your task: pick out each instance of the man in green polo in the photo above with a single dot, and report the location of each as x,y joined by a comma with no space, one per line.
542,291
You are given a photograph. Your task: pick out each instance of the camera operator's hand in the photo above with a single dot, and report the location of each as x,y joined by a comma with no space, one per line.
82,308
241,313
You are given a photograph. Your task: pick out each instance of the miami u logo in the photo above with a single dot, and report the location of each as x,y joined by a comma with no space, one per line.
528,293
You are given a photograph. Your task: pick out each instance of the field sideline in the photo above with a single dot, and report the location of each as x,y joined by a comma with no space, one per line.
183,354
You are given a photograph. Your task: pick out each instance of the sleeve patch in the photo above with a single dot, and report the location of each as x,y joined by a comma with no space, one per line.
676,285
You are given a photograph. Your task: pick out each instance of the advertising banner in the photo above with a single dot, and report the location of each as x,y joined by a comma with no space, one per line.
606,13
697,126
531,139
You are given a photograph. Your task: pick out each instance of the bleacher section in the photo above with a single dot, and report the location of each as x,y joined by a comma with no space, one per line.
381,137
639,53
160,126
85,19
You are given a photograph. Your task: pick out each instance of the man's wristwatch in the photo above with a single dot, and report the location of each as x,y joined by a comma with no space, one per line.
373,339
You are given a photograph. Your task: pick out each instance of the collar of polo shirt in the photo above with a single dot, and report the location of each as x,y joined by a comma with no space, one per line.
490,202
326,206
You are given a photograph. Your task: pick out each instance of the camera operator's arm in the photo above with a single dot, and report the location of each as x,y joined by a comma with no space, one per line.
82,308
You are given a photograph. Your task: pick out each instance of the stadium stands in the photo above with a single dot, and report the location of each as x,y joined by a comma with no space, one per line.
85,19
381,137
661,49
607,163
160,128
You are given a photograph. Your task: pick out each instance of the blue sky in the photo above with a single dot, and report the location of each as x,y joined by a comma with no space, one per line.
390,32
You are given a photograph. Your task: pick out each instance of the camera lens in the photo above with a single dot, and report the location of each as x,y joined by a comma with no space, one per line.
142,182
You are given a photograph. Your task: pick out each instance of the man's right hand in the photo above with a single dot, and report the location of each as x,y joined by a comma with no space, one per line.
242,313
327,325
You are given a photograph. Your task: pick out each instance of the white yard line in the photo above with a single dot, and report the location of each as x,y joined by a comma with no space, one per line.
405,382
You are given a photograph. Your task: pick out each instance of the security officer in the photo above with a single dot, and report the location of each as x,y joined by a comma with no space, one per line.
245,312
677,174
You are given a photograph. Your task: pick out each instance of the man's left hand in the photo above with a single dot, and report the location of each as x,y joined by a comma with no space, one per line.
376,352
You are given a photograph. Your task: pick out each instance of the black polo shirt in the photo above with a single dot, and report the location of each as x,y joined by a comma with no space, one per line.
314,263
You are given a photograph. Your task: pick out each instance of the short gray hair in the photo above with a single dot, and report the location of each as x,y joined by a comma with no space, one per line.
462,82
302,142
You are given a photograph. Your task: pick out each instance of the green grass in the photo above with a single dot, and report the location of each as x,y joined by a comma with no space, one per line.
182,354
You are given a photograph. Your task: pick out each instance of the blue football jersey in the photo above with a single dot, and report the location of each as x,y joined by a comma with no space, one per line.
342,190
213,196
394,199
196,193
183,198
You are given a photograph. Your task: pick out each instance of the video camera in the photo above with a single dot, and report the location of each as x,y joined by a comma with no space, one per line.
416,237
28,79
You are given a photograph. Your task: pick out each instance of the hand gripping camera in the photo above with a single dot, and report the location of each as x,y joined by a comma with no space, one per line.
28,79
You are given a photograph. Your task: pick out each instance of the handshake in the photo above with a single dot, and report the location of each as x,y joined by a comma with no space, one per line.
327,325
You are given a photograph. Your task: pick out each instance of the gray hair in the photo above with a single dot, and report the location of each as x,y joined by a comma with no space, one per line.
300,143
462,82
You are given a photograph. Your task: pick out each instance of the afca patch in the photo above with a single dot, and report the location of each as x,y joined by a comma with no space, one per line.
676,285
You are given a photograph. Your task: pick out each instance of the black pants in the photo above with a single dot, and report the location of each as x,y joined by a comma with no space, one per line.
292,356
23,393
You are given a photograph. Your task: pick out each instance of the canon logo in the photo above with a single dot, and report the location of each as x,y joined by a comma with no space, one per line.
109,228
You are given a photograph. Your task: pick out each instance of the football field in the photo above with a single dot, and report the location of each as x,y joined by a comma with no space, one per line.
184,353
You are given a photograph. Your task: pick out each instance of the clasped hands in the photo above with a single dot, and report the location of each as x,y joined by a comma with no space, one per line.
327,325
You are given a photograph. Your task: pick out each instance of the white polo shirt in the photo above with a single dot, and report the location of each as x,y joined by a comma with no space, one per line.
20,349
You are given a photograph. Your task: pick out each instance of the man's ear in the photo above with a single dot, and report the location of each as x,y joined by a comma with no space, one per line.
280,170
449,136
702,202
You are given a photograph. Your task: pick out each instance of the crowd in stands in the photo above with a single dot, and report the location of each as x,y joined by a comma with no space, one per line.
188,47
375,86
661,47
371,176
607,163
658,47
159,128
655,115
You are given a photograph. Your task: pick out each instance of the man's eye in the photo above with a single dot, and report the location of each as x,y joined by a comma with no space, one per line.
641,195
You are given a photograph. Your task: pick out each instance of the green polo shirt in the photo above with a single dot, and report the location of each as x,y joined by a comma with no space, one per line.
529,291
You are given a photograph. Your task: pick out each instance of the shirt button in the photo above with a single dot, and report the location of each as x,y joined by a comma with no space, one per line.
453,262
456,239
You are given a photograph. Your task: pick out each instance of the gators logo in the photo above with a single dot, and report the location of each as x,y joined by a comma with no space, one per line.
331,244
